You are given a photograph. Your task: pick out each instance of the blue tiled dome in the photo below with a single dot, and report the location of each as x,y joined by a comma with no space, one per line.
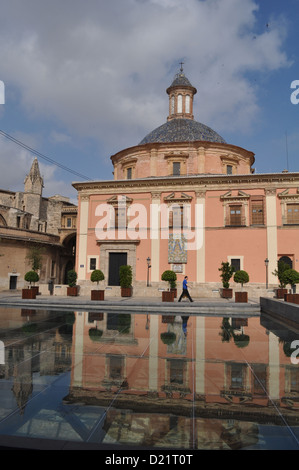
182,130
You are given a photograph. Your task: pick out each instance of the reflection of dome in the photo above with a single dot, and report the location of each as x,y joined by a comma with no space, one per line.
182,130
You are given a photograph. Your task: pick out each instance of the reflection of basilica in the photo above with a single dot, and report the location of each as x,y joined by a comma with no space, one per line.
39,344
202,382
146,380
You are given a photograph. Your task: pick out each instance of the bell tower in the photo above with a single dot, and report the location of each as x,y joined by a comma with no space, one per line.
32,196
34,183
181,94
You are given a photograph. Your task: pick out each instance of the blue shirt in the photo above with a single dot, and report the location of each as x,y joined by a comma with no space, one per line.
185,287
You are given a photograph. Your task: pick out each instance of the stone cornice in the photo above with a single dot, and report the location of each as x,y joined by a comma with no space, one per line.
190,183
177,146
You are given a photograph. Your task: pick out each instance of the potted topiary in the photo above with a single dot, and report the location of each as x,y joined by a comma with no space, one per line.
95,334
281,268
241,277
35,257
125,280
96,276
227,270
30,276
291,276
168,337
170,277
72,290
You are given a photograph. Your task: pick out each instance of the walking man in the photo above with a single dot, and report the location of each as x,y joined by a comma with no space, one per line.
185,292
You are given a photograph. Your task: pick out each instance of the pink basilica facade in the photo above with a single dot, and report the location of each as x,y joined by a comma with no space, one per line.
184,199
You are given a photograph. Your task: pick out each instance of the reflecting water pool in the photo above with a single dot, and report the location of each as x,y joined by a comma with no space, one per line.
149,380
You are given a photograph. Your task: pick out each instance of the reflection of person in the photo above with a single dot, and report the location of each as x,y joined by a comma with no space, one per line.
185,292
184,325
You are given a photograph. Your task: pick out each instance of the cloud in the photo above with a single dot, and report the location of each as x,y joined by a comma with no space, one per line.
100,68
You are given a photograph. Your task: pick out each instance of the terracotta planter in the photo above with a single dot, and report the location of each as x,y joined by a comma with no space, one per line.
95,316
97,295
175,292
241,297
126,291
280,293
72,291
293,298
28,294
36,289
168,318
167,296
27,313
226,293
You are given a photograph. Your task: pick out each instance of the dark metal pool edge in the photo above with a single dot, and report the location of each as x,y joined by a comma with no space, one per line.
280,310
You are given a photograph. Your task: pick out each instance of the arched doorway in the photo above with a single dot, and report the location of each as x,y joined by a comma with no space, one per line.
69,266
286,260
68,255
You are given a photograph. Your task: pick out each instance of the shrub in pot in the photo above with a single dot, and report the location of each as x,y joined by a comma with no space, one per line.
31,277
291,277
95,334
241,277
72,290
96,276
168,337
125,280
227,270
170,277
279,272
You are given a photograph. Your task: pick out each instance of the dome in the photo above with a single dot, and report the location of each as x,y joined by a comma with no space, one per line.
182,130
181,80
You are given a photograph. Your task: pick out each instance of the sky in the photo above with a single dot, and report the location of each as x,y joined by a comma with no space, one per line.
84,79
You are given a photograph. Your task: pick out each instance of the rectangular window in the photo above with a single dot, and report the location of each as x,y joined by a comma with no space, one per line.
116,367
129,173
237,376
177,217
176,371
120,218
176,168
294,380
235,215
236,263
259,379
92,264
68,222
292,213
229,169
257,212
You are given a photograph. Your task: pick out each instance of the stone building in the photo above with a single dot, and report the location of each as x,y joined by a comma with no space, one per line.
27,220
185,199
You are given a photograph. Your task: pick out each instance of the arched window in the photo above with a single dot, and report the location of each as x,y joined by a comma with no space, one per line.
187,104
172,105
180,104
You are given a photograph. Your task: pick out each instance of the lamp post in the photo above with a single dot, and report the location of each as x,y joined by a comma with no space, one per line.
148,260
266,264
